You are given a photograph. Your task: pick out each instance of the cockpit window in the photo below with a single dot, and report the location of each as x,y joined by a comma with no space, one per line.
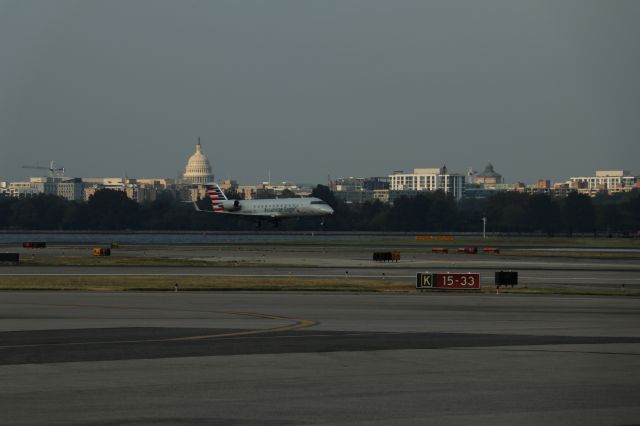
318,202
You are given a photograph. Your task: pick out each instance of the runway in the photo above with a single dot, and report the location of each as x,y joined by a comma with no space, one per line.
322,358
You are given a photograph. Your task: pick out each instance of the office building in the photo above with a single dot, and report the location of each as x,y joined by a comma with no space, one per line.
429,179
609,181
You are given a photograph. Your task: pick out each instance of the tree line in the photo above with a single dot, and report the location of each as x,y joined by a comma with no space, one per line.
427,212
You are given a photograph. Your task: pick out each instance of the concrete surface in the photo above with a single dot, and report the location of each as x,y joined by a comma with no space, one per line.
299,358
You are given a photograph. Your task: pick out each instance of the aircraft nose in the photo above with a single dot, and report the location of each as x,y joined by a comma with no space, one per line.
328,209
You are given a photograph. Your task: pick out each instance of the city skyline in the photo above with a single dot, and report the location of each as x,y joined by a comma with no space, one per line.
308,90
272,176
61,171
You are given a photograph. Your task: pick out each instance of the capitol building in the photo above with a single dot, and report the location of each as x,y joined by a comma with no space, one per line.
198,170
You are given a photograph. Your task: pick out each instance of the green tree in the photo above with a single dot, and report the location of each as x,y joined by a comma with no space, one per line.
287,193
505,211
443,212
324,193
76,216
109,209
578,213
609,218
6,211
43,211
232,194
372,214
410,213
630,211
543,214
470,214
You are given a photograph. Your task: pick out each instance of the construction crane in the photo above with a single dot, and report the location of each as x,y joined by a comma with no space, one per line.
53,170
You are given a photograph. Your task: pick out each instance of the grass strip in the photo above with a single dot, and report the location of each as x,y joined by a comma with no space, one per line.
189,283
160,283
128,261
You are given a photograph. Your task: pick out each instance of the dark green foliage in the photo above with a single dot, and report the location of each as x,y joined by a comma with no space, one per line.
578,213
232,194
5,212
76,217
506,212
40,212
286,193
428,212
108,209
325,194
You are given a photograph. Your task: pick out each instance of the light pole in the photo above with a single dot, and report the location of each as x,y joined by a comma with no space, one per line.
484,227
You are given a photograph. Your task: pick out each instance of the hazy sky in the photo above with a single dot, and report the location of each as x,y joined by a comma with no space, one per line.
543,89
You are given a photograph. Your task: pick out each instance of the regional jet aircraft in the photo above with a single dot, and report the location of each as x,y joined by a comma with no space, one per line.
272,209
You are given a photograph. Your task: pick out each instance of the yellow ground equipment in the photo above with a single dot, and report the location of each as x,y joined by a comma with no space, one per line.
99,251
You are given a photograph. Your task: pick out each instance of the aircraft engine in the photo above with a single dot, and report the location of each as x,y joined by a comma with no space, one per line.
232,205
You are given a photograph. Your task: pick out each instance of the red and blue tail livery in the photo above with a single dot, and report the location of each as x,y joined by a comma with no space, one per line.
217,197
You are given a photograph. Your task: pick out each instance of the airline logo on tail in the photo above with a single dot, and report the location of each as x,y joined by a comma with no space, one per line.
217,197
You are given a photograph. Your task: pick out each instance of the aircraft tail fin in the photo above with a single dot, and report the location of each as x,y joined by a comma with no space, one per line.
217,196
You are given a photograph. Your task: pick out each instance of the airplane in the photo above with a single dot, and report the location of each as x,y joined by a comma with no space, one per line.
271,209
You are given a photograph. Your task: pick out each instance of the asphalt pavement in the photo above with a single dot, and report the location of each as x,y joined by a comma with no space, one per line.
322,358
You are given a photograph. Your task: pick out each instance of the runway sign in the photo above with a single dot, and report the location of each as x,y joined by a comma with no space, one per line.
447,281
9,258
459,281
506,278
424,280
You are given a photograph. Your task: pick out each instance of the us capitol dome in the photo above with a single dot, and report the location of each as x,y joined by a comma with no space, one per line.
198,171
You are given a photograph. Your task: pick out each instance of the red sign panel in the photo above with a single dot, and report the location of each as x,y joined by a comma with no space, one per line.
459,281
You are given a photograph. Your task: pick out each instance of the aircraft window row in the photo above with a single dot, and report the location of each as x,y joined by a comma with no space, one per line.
318,202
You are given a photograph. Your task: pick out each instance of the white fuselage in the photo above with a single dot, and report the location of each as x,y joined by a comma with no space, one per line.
277,207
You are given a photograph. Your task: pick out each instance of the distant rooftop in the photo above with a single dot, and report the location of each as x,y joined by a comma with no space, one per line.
613,173
489,172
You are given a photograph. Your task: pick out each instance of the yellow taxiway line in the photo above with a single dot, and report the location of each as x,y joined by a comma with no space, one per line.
298,324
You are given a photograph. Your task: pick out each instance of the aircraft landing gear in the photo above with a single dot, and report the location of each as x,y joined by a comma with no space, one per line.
258,224
276,223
